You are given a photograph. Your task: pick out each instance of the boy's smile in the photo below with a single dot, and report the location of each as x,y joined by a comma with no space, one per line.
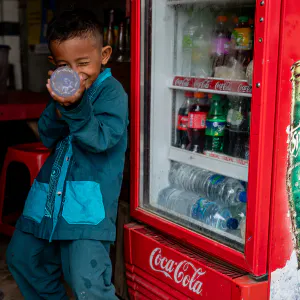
83,55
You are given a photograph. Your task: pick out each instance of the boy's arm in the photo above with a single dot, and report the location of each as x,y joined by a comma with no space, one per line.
99,127
50,127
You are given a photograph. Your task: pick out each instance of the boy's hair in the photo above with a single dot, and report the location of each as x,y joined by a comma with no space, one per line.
74,23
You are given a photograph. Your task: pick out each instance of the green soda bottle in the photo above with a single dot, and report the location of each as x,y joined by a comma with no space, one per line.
215,126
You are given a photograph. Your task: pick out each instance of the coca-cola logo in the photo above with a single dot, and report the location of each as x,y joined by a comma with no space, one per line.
244,88
223,86
183,82
202,84
183,273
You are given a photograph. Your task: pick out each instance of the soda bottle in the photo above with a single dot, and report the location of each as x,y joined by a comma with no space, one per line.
238,130
215,125
182,139
220,43
197,123
241,40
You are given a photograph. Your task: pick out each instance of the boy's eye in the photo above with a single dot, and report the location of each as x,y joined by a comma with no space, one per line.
62,65
83,64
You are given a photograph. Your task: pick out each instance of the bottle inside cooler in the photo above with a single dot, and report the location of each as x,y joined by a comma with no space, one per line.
197,123
182,139
236,130
215,125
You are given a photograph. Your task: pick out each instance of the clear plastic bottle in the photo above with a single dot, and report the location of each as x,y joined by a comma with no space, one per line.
211,213
189,30
224,190
177,200
243,228
201,51
238,213
220,43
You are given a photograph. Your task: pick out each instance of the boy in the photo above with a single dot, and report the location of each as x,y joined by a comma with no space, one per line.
69,217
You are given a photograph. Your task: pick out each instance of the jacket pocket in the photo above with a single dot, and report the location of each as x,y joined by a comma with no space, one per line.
83,203
36,201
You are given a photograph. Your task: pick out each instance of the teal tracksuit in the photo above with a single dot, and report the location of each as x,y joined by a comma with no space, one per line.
72,204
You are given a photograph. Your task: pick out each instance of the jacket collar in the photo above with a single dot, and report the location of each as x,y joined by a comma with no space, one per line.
101,77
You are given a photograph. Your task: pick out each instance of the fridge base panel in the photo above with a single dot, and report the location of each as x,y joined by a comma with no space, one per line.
160,268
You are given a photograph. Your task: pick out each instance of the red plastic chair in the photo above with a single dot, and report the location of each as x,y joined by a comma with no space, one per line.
33,157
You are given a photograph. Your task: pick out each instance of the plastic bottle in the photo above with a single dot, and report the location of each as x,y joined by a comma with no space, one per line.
220,43
224,190
238,213
241,41
215,126
201,51
189,30
197,123
243,228
211,214
237,128
177,200
182,140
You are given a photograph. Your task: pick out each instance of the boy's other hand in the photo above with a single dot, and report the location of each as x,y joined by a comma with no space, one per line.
67,101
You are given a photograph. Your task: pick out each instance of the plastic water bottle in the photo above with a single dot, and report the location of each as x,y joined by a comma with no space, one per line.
201,50
225,190
243,228
238,213
177,200
189,30
212,214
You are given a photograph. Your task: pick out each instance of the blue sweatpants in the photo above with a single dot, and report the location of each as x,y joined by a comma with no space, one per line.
37,266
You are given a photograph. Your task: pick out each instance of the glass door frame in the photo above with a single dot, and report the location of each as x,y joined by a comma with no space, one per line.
254,259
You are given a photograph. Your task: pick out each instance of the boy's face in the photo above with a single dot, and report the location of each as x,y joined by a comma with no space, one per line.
83,55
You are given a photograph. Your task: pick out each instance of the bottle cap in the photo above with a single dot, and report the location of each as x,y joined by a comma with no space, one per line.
243,197
222,19
189,94
232,223
65,82
216,97
209,96
243,19
199,95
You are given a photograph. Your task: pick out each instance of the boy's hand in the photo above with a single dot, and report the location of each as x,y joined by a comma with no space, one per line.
66,101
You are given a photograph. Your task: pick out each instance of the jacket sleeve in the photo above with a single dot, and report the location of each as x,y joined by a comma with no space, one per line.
100,126
51,129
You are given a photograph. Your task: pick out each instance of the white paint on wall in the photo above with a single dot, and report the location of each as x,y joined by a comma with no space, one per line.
285,282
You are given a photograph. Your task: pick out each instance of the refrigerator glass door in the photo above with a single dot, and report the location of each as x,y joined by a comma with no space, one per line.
195,110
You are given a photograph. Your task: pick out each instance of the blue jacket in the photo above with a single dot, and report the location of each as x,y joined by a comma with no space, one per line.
75,195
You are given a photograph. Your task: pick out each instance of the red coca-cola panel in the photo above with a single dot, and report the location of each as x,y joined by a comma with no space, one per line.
220,85
192,274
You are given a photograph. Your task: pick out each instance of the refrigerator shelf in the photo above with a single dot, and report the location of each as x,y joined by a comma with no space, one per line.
212,85
199,224
215,162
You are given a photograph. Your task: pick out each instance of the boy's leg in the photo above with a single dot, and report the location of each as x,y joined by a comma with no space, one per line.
35,265
87,268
